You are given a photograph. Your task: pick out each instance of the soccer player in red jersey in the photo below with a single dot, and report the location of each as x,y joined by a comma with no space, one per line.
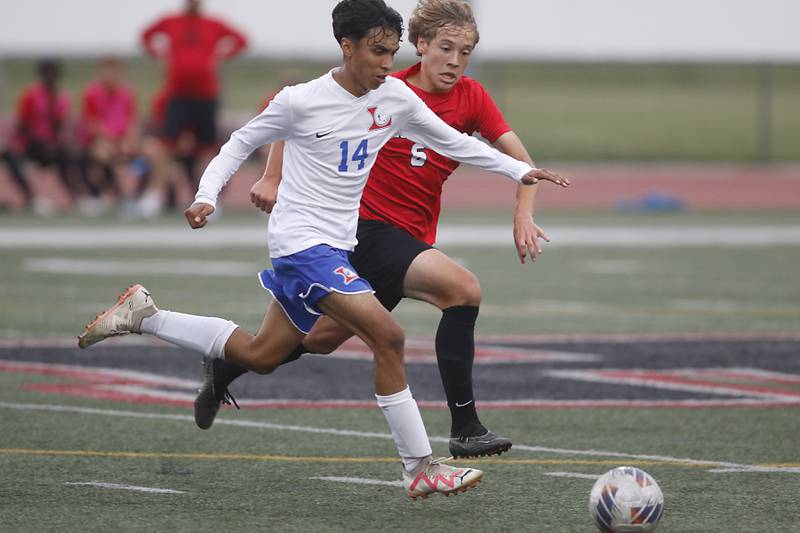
398,218
192,44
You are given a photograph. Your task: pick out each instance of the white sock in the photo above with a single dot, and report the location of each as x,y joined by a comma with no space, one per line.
408,430
204,334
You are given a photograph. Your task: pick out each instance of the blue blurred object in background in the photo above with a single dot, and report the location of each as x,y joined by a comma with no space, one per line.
652,202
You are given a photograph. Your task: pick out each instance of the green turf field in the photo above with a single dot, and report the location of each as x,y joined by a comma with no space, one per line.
246,479
568,112
258,477
581,289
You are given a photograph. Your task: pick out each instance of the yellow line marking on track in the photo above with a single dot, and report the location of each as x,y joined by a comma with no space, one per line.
201,456
340,459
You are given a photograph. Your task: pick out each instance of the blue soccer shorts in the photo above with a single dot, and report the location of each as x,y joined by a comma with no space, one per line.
299,281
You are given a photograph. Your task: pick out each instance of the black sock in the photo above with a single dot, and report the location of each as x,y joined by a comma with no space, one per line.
455,352
225,372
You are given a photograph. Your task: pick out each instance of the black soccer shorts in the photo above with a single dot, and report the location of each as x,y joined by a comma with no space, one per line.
196,115
382,257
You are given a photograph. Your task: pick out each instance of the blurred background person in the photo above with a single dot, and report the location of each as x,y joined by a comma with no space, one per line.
160,168
41,135
14,170
191,45
107,134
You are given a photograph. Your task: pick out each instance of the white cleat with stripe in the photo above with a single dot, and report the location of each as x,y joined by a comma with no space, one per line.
122,318
432,475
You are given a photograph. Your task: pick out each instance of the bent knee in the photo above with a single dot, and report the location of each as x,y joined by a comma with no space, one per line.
262,362
472,291
320,345
262,367
465,290
390,340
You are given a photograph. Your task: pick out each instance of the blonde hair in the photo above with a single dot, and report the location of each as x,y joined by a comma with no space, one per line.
431,15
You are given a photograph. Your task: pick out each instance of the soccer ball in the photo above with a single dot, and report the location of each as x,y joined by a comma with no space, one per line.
626,499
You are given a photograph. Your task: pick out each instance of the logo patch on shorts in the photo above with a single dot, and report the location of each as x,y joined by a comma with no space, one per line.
348,275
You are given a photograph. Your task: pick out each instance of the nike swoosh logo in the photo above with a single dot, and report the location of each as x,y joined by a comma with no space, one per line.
463,404
321,135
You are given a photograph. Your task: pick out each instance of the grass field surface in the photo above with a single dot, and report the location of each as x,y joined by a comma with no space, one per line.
583,288
678,359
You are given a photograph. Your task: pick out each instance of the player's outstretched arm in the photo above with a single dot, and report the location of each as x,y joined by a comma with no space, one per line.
264,192
426,127
273,124
527,234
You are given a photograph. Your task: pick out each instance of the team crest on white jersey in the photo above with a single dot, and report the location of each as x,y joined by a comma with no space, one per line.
348,275
379,119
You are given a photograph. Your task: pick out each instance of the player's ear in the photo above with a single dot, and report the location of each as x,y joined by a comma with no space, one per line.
347,47
422,46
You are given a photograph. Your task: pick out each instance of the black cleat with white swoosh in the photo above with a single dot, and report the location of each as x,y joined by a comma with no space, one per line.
479,445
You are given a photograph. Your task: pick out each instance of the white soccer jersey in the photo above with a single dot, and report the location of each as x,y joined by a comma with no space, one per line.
332,140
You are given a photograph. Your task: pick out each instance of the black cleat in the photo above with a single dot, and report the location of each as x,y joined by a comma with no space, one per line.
209,398
479,445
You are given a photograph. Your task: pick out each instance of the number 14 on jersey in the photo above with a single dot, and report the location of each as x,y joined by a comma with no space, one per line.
359,155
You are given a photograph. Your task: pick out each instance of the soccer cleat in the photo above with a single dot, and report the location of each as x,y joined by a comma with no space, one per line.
125,317
478,446
433,476
209,398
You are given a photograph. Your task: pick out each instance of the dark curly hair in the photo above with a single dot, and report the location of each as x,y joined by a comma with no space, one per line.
355,18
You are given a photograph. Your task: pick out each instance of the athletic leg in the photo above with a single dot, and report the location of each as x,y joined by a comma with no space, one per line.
367,318
435,278
135,312
324,338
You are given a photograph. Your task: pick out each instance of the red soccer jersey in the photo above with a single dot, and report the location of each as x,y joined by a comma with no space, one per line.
193,52
41,115
405,185
113,110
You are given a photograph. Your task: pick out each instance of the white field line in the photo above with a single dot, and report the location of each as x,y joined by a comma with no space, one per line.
572,475
359,481
127,267
741,372
727,466
756,469
118,486
496,235
593,376
623,338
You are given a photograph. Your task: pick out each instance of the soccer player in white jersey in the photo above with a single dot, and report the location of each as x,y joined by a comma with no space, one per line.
334,127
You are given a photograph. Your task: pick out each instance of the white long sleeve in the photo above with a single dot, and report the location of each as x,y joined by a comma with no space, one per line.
273,124
332,140
425,127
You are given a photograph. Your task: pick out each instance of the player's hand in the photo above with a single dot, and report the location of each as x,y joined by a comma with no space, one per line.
542,174
264,193
197,214
527,238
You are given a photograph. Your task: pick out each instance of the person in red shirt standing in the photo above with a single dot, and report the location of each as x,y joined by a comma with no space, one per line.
41,127
107,128
398,219
191,45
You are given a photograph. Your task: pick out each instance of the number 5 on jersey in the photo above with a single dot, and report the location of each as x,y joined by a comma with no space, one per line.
359,155
418,155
